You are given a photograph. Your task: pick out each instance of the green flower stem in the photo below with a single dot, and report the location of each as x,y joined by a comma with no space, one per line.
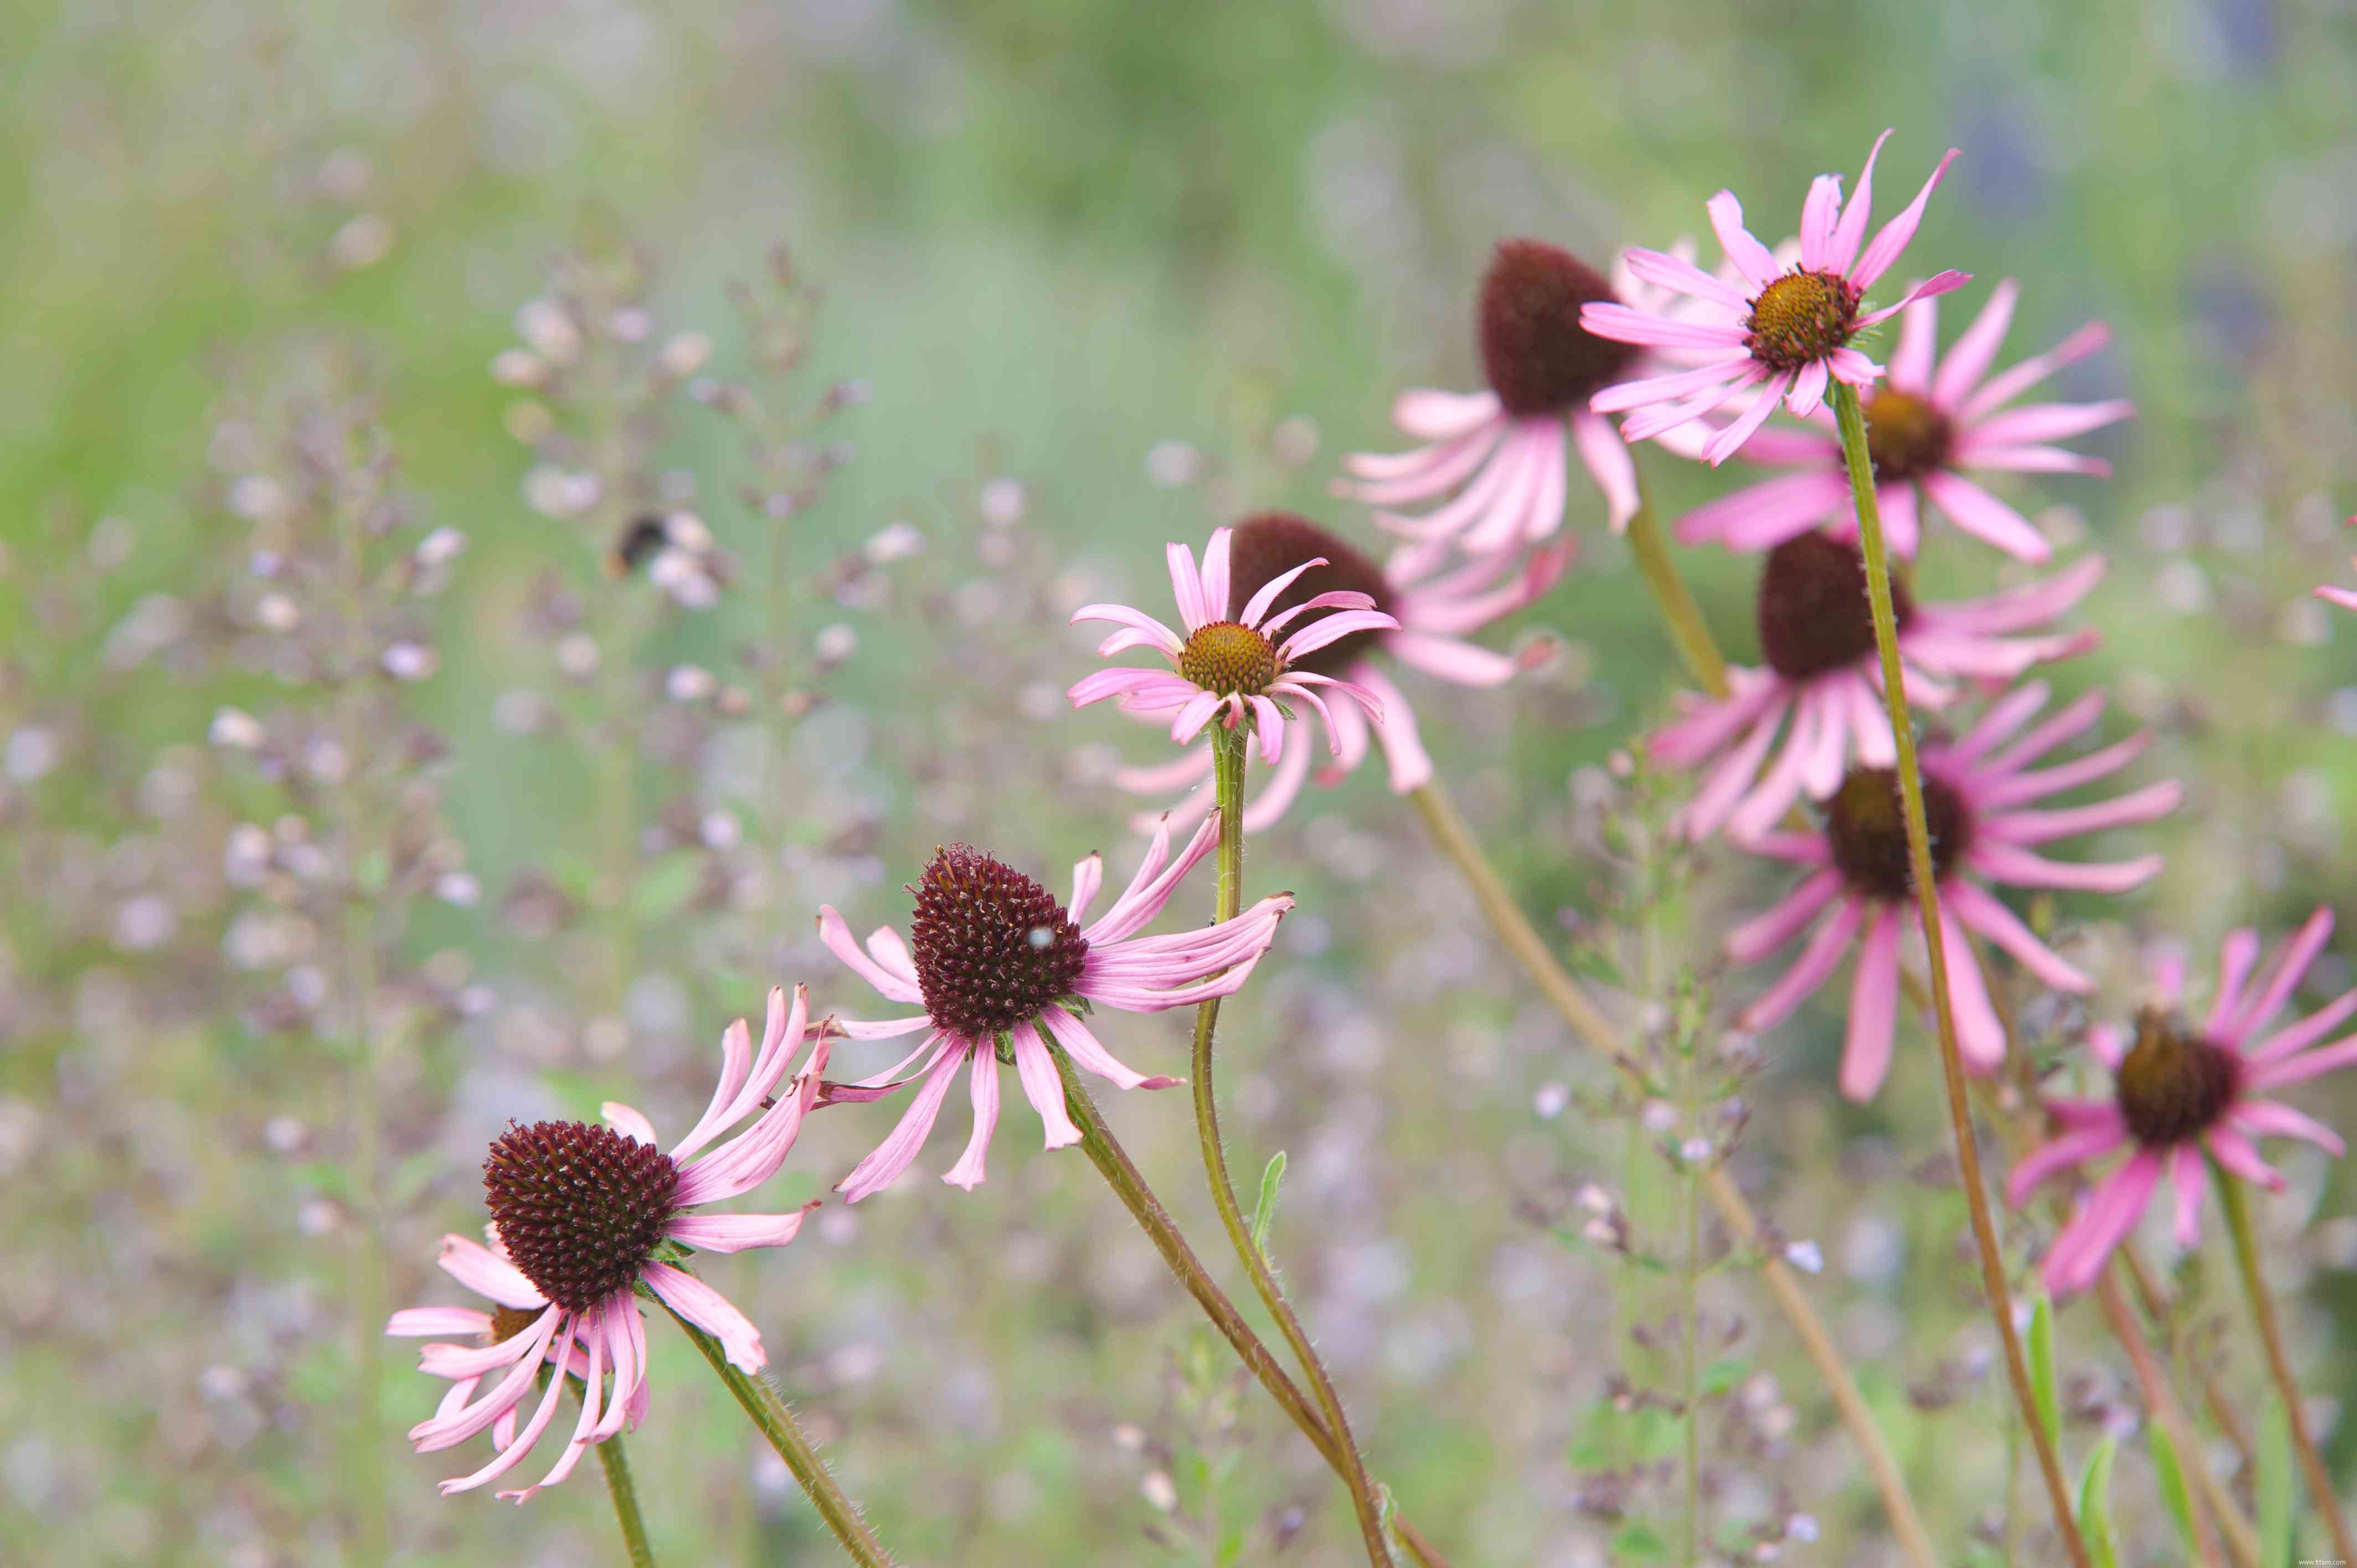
1515,932
1228,748
1852,420
768,1411
616,1466
1687,628
2232,1199
1113,1164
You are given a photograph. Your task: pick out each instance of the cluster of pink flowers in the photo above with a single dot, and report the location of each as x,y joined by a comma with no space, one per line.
1283,621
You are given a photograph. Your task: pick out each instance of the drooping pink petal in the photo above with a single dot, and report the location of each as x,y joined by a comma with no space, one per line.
2190,1176
1762,516
1405,759
710,1311
884,1163
1873,1009
1606,458
1081,1046
2234,1152
983,1086
1440,415
1919,345
487,1274
1042,1087
1984,517
1981,910
425,1322
2271,1118
2062,1152
836,935
1809,972
2086,1244
1980,1036
629,1123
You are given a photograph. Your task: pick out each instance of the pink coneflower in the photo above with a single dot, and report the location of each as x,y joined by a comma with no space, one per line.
583,1215
1506,447
1233,666
1791,331
2180,1093
1434,613
1925,425
1974,801
1002,970
1821,687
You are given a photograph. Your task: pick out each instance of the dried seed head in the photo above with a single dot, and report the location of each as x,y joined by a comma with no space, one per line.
1812,607
1801,317
1267,546
1906,435
1229,659
580,1208
992,946
1867,831
2174,1085
1539,358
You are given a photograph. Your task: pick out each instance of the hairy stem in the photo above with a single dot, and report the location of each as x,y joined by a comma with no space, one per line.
1679,612
1522,940
768,1410
2234,1200
1228,748
1852,420
616,1463
1113,1163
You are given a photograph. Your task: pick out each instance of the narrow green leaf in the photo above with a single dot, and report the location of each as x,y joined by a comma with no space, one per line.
2170,1476
2274,1487
1265,1209
1722,1376
1639,1542
2042,1366
2095,1505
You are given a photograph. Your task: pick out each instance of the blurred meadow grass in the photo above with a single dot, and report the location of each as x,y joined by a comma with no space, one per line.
1050,235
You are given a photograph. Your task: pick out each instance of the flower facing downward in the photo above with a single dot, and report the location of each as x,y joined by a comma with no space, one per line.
1434,613
1926,424
1231,666
1505,447
582,1216
2181,1092
1004,972
1783,329
1978,795
1821,686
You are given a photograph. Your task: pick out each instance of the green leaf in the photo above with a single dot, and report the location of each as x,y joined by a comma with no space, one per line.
2274,1488
1265,1209
1639,1542
2042,1366
2170,1475
1721,1376
2095,1505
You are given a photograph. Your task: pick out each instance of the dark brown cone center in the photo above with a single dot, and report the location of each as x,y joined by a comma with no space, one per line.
992,946
1906,436
1267,546
1867,831
1538,358
2173,1084
1801,317
580,1208
1813,610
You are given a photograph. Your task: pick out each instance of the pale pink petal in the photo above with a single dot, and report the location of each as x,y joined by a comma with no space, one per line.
710,1311
487,1274
2007,385
2283,979
2061,1153
983,1086
1620,324
1187,587
1918,344
2234,1152
426,1322
1810,970
1750,257
1819,214
1849,231
1405,759
2086,1244
836,935
2307,1032
1972,354
1765,932
2281,1070
1979,909
1764,515
1042,1087
1452,659
1984,517
1394,480
1440,415
1606,458
1807,393
630,1123
2020,868
884,1163
1194,715
2190,1176
1980,1037
1277,791
2237,956
1668,388
1730,441
1873,1009
1675,272
2270,1118
1886,246
738,1232
1156,634
509,1457
1081,1046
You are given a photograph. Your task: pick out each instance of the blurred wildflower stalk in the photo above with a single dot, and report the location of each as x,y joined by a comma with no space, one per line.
1852,419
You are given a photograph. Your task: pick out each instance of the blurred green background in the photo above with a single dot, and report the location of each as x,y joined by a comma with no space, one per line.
1050,236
